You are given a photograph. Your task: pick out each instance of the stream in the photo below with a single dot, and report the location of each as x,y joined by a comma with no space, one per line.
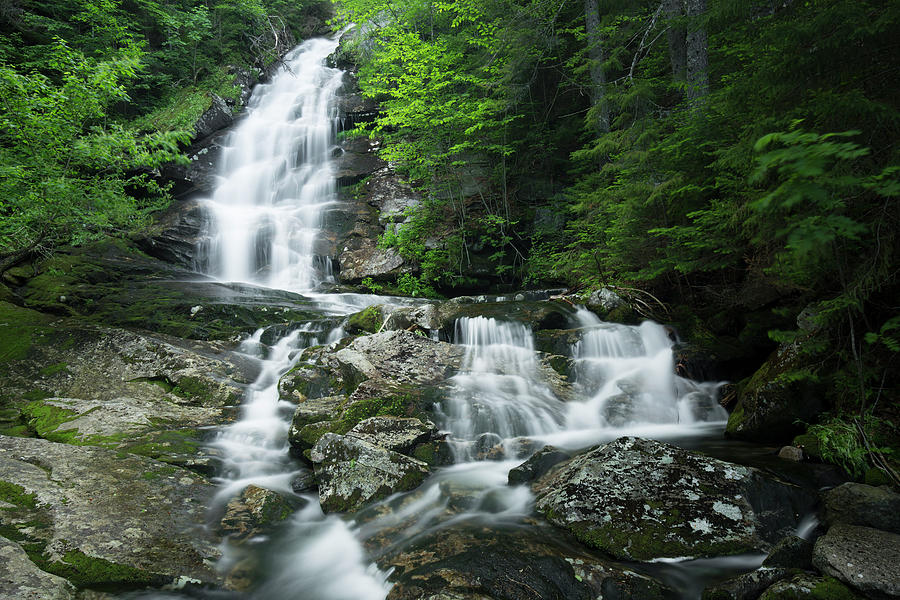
276,184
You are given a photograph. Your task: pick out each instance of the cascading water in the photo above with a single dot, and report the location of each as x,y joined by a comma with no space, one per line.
265,217
276,178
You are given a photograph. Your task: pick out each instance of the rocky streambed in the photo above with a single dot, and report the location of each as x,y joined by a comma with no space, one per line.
108,461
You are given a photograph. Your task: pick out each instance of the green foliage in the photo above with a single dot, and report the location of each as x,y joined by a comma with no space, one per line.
65,176
839,441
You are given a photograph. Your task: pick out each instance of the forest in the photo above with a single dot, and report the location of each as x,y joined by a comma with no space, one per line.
404,299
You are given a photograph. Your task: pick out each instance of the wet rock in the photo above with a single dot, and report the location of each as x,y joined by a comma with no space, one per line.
402,357
100,518
314,410
771,405
538,465
355,108
862,557
865,505
398,434
747,586
369,320
216,117
807,586
21,578
423,318
640,499
352,472
251,513
176,234
538,315
791,552
357,160
499,564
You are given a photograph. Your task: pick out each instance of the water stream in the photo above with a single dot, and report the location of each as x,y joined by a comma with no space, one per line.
265,219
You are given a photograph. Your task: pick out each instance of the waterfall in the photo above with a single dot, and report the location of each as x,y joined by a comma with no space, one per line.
276,179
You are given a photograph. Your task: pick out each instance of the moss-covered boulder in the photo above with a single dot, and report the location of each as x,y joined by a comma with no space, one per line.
21,578
640,499
253,512
476,563
776,399
103,519
747,586
352,472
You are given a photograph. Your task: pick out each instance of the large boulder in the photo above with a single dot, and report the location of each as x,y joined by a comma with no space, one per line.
352,472
865,505
862,557
489,563
747,586
102,519
254,511
640,499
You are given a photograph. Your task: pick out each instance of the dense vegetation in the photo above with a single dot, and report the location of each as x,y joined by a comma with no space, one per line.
737,158
737,161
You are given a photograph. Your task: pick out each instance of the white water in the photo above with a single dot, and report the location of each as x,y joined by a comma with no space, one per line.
265,217
276,179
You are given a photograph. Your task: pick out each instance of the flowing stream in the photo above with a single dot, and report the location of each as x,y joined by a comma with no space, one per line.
265,218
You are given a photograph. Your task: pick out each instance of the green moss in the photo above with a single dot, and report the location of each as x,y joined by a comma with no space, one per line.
810,444
368,320
46,419
193,388
876,477
36,395
735,419
805,588
311,433
166,445
90,572
51,370
16,495
19,328
17,431
399,405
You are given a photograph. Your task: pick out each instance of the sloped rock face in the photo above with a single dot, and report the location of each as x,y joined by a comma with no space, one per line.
398,434
20,578
862,557
470,562
254,511
640,499
102,519
352,472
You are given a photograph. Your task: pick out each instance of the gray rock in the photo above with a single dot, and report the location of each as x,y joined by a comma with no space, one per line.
606,299
358,159
364,258
791,453
177,233
251,513
538,465
398,434
865,505
107,519
352,472
791,552
747,586
862,557
641,499
314,410
216,117
22,579
402,357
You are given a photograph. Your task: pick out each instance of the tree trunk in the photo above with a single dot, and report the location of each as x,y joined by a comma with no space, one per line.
697,57
595,58
674,11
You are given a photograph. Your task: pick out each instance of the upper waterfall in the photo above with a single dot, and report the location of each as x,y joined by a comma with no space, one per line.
276,177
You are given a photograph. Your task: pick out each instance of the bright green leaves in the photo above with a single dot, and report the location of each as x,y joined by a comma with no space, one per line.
62,173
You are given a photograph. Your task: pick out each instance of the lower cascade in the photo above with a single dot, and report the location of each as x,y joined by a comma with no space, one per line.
423,445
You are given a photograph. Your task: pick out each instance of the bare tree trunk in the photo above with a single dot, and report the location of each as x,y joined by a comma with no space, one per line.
674,10
595,57
697,52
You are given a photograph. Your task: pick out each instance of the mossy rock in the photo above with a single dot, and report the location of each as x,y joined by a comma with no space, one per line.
780,395
369,320
114,283
96,573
